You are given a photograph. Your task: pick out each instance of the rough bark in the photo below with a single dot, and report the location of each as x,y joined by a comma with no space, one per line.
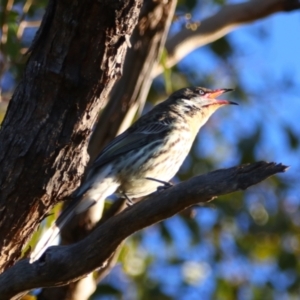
64,264
75,59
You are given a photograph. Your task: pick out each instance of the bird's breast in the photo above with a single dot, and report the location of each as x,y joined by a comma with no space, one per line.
159,159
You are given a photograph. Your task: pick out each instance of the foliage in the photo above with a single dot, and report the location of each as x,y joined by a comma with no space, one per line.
245,245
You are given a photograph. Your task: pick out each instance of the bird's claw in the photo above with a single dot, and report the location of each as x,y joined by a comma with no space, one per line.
129,202
166,185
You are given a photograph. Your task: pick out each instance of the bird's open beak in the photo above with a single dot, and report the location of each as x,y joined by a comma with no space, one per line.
216,93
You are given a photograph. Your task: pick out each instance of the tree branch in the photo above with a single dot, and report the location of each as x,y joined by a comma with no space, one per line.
224,21
63,264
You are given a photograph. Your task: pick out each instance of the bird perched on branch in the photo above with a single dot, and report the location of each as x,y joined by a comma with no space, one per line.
145,156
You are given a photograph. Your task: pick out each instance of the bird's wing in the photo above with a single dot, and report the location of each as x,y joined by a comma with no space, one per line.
130,140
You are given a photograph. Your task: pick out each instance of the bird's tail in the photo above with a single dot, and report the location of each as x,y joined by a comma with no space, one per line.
52,232
84,198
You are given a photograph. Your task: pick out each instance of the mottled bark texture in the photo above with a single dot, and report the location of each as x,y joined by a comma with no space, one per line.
64,264
75,59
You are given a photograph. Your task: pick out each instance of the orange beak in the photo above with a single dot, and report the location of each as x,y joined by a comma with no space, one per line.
214,94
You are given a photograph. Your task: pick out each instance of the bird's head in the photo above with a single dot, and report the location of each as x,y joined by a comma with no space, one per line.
197,104
201,98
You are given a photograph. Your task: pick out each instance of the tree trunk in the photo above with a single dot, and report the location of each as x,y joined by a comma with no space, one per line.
75,59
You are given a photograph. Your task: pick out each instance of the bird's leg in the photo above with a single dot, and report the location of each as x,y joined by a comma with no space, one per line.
165,185
129,202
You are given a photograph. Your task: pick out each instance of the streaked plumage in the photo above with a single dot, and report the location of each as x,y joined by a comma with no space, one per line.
155,146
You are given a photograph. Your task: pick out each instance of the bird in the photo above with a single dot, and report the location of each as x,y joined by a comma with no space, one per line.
144,157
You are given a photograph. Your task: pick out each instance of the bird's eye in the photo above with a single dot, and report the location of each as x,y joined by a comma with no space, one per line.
201,92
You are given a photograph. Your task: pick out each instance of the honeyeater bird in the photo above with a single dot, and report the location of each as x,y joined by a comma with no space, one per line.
142,158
